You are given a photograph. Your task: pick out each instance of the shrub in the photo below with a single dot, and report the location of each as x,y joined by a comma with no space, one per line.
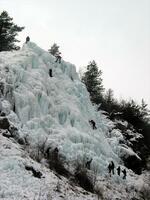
57,162
81,175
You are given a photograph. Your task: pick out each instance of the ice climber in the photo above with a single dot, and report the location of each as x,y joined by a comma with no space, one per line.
124,173
55,154
27,39
112,167
47,153
88,164
0,106
109,169
58,57
50,73
93,124
118,170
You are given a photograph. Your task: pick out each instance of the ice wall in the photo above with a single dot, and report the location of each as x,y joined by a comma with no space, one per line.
57,108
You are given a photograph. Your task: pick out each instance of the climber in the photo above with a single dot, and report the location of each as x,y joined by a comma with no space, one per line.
93,124
58,57
50,72
55,154
112,167
118,170
109,169
124,173
47,152
88,164
27,39
0,106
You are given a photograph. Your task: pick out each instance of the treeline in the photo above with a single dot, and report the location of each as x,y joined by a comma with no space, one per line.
134,113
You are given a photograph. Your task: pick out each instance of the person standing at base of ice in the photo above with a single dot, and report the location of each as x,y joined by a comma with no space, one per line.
109,169
118,170
112,167
124,173
58,57
27,39
88,164
55,154
0,106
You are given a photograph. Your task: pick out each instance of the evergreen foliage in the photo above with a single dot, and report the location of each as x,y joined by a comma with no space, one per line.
138,116
8,33
130,111
54,49
108,101
135,114
93,81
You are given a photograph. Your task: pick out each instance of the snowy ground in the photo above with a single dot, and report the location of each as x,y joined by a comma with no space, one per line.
56,110
16,183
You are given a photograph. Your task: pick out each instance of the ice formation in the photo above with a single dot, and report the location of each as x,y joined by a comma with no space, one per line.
57,108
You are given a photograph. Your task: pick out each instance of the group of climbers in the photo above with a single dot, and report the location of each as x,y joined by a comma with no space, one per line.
111,168
58,57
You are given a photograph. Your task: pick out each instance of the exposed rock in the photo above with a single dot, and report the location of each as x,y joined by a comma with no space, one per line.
36,173
131,160
2,114
14,131
21,141
7,134
4,123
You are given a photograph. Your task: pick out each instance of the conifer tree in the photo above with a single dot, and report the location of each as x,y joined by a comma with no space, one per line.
144,110
8,33
109,96
109,100
54,49
93,81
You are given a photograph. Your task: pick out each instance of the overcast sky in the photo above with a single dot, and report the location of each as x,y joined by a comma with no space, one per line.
115,33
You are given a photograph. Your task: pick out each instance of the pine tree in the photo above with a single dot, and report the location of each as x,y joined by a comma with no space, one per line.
109,96
8,33
144,110
54,49
93,81
109,100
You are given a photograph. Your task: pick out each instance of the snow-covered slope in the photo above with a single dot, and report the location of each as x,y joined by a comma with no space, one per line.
16,183
54,111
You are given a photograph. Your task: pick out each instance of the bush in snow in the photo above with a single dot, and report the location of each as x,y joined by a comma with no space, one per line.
99,190
145,191
83,177
56,161
38,151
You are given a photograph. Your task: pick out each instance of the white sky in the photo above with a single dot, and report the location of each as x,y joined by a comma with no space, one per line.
116,33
